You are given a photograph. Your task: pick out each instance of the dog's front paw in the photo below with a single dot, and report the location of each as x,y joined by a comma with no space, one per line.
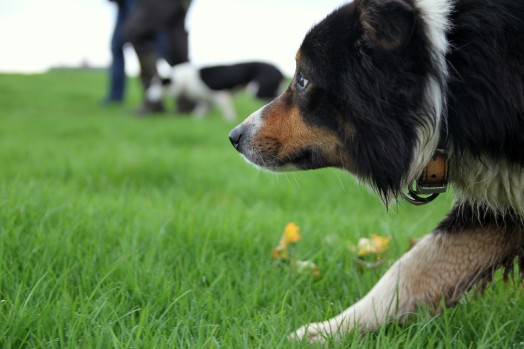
312,333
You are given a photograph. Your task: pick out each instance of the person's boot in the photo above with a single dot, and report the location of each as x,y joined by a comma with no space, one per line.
147,72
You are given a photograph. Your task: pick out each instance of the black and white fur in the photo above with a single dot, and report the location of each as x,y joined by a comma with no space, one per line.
378,84
214,85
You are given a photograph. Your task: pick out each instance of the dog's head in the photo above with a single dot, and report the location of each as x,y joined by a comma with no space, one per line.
159,88
366,97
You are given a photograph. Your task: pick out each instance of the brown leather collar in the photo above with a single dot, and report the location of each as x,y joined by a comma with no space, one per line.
434,178
432,181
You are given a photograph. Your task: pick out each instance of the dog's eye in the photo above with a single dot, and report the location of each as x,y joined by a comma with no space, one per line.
302,82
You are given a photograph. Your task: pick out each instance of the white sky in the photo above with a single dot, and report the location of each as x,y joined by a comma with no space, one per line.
38,34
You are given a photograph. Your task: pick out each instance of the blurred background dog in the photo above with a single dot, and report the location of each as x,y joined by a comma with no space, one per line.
214,85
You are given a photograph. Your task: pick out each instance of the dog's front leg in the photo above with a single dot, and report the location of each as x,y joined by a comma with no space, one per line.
201,109
224,102
441,267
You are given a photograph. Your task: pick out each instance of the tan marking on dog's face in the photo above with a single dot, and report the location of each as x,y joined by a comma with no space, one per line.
284,139
278,137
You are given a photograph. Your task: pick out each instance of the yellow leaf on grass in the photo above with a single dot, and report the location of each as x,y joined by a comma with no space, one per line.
280,253
376,245
291,233
290,236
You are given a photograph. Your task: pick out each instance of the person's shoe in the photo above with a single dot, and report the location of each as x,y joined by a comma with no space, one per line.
150,109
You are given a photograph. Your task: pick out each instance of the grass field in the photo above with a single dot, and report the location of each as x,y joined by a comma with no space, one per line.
120,232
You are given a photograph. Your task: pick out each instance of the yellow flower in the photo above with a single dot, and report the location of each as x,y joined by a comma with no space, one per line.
376,245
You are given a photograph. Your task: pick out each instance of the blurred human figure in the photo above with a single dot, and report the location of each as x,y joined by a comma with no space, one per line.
117,73
148,19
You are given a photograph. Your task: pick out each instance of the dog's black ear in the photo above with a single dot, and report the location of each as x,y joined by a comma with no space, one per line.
387,24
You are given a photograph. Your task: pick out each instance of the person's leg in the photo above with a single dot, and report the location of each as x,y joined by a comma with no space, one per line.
117,75
161,46
177,37
141,30
177,43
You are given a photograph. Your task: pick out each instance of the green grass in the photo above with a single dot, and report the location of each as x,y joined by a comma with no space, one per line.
120,232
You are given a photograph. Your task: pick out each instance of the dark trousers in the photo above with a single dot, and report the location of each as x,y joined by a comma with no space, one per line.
148,19
117,73
117,69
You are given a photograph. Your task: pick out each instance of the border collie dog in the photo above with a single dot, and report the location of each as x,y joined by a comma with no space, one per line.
214,85
381,87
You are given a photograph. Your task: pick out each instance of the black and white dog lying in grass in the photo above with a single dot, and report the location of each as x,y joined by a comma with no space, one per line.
384,88
214,85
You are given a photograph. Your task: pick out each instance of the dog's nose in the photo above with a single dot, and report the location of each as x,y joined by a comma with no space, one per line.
235,135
